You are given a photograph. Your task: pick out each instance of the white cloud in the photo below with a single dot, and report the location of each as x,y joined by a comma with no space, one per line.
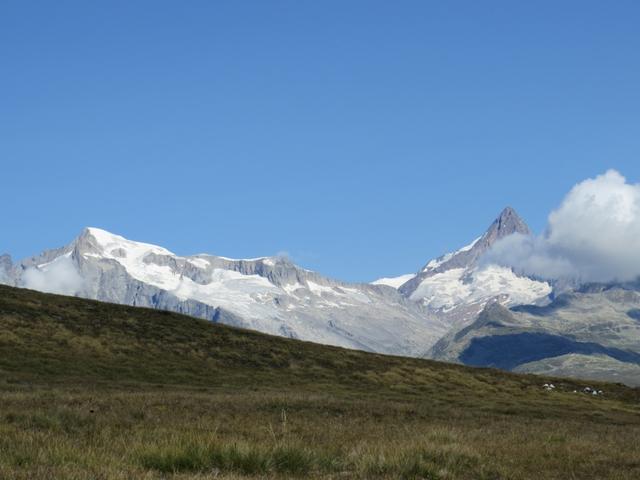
60,276
283,255
593,236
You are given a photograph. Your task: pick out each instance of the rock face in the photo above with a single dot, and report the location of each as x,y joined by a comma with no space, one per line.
591,334
268,294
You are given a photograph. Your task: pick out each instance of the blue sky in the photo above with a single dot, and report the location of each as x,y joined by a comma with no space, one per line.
361,137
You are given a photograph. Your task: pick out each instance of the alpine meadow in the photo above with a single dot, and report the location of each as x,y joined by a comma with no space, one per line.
96,390
332,240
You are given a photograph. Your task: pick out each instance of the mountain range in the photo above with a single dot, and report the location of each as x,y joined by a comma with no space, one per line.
269,294
457,307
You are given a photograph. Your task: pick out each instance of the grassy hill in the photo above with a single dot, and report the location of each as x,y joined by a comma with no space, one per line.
95,390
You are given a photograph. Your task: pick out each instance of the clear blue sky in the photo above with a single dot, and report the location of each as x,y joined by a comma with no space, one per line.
362,137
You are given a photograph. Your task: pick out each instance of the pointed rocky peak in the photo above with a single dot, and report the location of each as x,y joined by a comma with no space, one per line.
507,223
87,242
100,237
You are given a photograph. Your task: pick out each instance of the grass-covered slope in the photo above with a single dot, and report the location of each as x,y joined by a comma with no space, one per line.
95,390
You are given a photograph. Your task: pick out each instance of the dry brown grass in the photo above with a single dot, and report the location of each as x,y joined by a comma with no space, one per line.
98,391
152,433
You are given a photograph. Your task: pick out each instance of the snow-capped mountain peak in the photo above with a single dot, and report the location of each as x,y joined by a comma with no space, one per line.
457,286
98,242
507,223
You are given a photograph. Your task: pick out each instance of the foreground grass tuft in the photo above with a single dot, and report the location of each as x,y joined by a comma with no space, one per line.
412,463
239,458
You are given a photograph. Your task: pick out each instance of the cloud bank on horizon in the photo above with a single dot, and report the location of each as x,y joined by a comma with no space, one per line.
593,236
